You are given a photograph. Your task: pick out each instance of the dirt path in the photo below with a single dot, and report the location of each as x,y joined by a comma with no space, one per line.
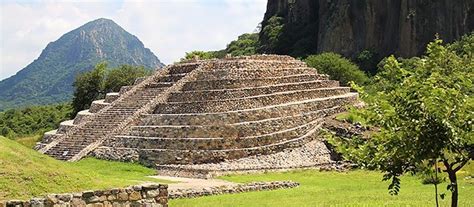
193,183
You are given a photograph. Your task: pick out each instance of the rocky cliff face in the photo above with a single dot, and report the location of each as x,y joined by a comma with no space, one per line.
401,27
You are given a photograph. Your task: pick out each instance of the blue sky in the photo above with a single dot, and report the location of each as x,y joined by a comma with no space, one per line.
168,27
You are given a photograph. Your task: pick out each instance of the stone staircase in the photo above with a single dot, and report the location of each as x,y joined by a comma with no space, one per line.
73,138
205,112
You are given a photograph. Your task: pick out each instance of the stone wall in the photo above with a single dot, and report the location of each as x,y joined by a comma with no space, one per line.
232,83
153,195
230,189
248,102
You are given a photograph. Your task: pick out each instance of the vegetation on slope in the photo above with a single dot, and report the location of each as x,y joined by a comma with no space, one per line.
32,120
353,188
49,78
246,44
26,173
337,67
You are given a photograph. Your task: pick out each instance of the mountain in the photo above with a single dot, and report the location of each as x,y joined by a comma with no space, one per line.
348,27
49,78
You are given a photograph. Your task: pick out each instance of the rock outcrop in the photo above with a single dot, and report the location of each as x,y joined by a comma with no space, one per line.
401,27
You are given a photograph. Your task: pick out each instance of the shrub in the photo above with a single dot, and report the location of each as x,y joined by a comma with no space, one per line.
337,67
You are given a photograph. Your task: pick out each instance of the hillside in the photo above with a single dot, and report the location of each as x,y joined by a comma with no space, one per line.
49,78
26,173
349,27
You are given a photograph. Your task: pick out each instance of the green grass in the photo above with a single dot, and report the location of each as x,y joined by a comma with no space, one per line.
354,188
28,141
350,117
25,173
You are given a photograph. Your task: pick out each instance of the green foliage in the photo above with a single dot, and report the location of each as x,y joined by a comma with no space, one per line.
424,110
95,84
246,44
201,55
27,173
368,60
88,87
271,34
429,177
352,118
337,67
29,141
464,46
32,120
122,76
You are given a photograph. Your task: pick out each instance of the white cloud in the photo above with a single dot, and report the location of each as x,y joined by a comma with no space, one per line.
169,28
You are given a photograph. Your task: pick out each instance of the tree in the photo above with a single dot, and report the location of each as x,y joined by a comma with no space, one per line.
95,84
122,76
246,44
202,55
337,67
271,34
32,120
88,87
368,60
424,113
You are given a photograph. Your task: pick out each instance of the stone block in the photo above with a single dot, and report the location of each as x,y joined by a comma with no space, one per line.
135,196
37,202
122,196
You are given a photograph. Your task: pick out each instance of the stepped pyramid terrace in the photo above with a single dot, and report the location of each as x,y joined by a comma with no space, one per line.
235,113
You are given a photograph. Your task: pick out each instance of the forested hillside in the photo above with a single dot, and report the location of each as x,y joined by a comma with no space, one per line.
49,78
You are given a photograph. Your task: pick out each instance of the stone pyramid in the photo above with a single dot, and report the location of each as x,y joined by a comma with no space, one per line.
202,112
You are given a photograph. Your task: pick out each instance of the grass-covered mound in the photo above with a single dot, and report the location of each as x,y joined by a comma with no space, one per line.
25,173
354,188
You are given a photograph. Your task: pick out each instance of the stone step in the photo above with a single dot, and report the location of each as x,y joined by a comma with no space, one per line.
228,131
160,85
172,78
323,106
249,82
50,136
110,97
103,122
97,105
222,94
153,157
249,73
65,126
248,102
124,89
183,68
256,64
81,115
217,143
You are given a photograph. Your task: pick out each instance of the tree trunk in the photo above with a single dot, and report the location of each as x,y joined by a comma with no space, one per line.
454,187
436,183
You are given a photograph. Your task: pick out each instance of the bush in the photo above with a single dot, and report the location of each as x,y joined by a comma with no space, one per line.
202,55
368,60
337,67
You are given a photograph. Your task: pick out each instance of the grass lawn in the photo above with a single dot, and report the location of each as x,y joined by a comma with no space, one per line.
28,141
354,188
25,173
